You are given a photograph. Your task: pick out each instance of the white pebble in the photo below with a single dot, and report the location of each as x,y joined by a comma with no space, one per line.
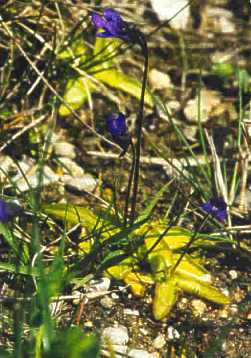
130,312
159,341
116,335
172,333
138,353
119,349
107,302
65,149
233,274
114,296
100,285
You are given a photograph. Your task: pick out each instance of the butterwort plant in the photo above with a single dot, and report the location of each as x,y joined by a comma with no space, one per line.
111,25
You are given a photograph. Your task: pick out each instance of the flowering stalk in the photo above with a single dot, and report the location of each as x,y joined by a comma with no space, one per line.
215,207
111,25
139,124
189,244
129,186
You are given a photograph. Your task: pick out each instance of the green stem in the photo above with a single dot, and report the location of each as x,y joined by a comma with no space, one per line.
138,136
129,187
187,247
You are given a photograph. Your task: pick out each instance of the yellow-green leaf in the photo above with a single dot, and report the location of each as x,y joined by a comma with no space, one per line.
165,297
72,214
137,282
125,83
202,290
120,271
161,261
191,270
76,93
76,49
104,51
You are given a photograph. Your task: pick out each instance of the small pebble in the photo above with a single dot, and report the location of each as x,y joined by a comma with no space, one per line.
130,312
116,335
249,316
84,183
144,331
88,324
169,9
71,168
114,296
120,349
159,341
233,308
172,333
100,285
223,313
49,177
138,353
154,355
107,302
65,149
209,100
159,80
199,307
233,274
224,346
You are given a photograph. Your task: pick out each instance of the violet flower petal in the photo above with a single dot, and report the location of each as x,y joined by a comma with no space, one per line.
116,124
98,21
216,207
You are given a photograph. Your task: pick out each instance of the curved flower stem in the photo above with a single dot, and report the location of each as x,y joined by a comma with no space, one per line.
129,186
189,244
139,124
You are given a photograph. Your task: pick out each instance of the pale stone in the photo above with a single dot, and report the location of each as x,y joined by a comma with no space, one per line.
159,342
107,302
199,307
32,178
100,285
209,100
116,335
233,274
65,149
84,183
172,333
159,80
138,353
166,9
119,349
223,313
71,168
220,20
129,312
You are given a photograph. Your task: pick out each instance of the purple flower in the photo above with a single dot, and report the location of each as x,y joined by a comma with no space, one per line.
216,207
8,211
112,25
116,125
